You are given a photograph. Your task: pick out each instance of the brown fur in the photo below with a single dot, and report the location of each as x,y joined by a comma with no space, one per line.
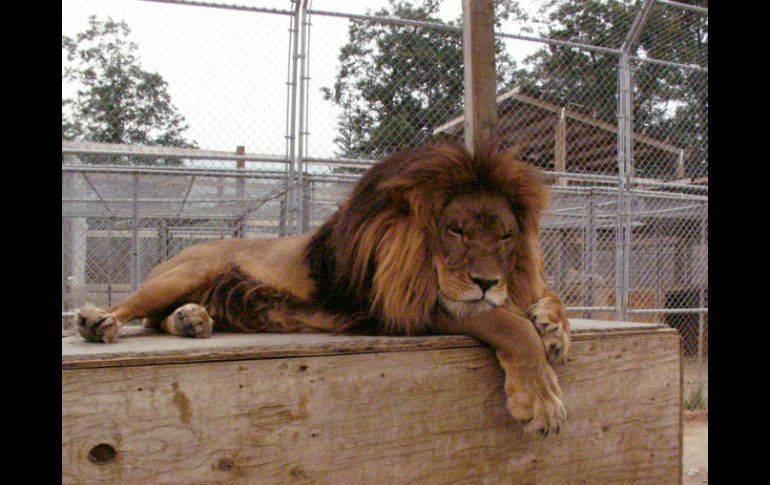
380,243
389,261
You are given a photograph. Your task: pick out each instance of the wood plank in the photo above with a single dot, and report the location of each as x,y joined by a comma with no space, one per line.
479,72
555,108
433,416
138,346
560,147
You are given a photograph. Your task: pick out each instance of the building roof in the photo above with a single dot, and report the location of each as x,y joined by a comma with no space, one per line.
529,122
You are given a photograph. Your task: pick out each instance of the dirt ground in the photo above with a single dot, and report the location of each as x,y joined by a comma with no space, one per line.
696,447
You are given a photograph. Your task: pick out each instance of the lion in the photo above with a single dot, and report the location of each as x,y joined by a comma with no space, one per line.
432,240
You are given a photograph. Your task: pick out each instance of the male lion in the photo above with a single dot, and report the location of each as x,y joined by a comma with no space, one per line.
431,240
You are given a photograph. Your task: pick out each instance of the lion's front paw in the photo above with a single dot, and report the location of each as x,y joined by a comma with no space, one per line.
552,329
96,325
535,400
192,320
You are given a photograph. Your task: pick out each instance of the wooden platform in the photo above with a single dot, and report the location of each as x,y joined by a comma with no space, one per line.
316,408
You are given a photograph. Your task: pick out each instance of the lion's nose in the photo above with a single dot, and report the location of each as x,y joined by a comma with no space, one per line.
484,284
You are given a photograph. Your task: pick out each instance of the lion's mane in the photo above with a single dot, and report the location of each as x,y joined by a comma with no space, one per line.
373,257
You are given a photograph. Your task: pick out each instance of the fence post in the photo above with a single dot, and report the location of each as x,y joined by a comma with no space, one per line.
299,184
625,161
625,147
561,264
135,235
290,201
479,72
240,164
282,217
240,189
660,301
590,252
307,195
560,147
163,236
702,291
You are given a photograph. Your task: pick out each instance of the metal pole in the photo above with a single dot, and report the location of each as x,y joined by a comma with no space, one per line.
163,233
289,207
560,271
135,235
619,310
625,160
64,236
685,6
658,238
282,217
620,289
299,183
702,292
591,250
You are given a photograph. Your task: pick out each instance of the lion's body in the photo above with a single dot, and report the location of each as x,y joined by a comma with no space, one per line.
430,240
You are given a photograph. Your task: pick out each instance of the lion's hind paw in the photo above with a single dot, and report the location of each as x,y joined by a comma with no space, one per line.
192,320
96,325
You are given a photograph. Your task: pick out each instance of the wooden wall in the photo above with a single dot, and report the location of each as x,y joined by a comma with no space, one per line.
324,409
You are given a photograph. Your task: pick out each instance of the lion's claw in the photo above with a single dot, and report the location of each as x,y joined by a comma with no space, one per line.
534,398
556,339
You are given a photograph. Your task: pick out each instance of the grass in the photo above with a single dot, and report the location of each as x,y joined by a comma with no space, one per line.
696,399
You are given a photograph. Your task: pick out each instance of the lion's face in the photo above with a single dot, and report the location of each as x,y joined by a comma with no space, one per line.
474,252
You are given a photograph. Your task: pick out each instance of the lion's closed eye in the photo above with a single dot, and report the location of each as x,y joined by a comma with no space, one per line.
456,231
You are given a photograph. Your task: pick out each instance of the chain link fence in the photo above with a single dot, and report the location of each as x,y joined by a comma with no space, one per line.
188,121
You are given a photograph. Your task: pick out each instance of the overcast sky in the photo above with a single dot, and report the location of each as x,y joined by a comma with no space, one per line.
227,70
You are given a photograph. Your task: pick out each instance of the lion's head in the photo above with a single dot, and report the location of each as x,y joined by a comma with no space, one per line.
433,229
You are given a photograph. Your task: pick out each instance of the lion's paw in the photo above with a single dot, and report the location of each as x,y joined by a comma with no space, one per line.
556,338
192,320
96,325
536,402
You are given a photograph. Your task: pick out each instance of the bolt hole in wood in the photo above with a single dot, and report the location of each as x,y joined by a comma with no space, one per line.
102,454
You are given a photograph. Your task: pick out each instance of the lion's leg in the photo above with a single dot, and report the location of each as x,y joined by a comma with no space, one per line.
534,395
153,301
550,319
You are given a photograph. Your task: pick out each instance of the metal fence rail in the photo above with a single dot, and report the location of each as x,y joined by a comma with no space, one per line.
261,117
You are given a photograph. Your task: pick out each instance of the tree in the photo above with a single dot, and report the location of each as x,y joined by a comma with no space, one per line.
116,100
669,103
396,83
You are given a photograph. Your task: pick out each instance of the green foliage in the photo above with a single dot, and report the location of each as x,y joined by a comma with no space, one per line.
671,104
117,101
396,83
696,399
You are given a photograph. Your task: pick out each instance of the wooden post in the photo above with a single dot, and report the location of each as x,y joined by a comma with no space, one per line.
560,155
680,166
480,76
240,164
239,189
